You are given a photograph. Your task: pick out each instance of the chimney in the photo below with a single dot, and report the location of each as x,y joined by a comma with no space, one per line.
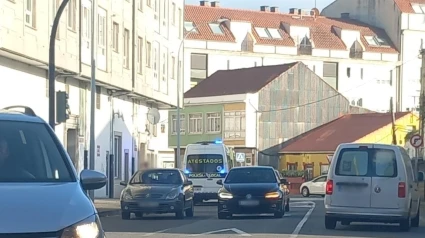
205,3
345,15
264,8
215,4
293,11
274,9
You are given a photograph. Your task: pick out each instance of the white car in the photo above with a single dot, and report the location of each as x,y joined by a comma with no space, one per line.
316,186
372,183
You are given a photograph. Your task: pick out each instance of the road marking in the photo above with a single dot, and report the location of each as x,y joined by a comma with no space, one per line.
156,232
235,230
306,199
303,221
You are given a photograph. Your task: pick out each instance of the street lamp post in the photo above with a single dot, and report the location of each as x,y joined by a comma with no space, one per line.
52,66
178,159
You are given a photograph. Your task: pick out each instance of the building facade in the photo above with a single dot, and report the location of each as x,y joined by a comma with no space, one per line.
336,50
136,44
403,22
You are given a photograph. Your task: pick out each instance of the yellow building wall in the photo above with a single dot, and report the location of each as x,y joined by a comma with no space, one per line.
384,135
301,159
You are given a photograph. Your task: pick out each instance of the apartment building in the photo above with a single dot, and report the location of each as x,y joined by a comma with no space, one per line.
403,20
136,59
341,51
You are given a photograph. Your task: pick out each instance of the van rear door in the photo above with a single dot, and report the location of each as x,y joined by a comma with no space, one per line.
351,179
386,171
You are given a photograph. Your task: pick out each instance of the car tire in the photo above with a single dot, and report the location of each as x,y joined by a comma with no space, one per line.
330,223
125,215
138,214
190,211
345,223
305,192
405,224
415,221
222,215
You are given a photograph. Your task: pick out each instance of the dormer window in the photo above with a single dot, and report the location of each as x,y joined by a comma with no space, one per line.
305,47
189,26
356,51
376,41
268,33
216,29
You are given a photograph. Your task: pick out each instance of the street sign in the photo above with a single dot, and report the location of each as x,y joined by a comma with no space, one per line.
240,157
416,141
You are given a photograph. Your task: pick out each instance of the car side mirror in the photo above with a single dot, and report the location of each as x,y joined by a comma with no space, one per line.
220,182
92,180
187,183
123,183
420,176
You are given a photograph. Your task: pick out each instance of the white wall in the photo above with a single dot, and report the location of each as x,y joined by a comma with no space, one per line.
251,120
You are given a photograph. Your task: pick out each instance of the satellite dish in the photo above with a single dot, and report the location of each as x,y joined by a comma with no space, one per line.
153,116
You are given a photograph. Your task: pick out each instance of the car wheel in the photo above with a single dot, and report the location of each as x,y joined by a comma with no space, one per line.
415,221
330,223
405,224
305,192
125,215
190,210
345,223
138,214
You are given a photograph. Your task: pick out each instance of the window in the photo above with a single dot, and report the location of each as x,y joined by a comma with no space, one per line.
352,163
274,33
376,41
251,175
173,21
418,8
32,155
30,9
140,6
204,163
292,166
156,9
324,168
55,7
189,26
174,124
305,47
102,31
148,54
140,55
126,62
173,67
262,32
320,179
195,123
157,177
198,67
86,26
149,3
385,163
165,7
234,125
180,23
247,44
98,92
216,28
115,36
213,122
348,72
72,13
155,59
164,64
356,50
361,73
330,74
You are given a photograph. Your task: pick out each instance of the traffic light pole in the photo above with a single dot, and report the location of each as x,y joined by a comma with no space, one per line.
52,66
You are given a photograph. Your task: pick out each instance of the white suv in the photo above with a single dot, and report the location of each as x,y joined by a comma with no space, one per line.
372,183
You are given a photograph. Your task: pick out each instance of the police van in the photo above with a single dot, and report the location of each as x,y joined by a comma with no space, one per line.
205,163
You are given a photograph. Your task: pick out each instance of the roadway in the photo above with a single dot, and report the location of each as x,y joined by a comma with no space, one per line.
305,220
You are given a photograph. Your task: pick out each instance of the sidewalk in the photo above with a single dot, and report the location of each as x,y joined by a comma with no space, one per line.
107,207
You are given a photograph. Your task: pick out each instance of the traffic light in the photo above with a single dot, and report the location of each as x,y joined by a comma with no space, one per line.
61,106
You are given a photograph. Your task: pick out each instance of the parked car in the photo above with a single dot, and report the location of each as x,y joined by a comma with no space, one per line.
157,191
251,190
314,187
372,183
41,192
284,186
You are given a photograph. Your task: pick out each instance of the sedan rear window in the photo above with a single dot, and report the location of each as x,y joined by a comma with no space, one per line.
367,162
251,175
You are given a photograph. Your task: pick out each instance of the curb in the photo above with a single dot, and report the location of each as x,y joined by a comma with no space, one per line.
109,213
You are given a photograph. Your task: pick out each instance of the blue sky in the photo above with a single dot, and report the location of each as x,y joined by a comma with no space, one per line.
283,5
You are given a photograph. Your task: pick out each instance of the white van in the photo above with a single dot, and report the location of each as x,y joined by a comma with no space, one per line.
372,183
205,163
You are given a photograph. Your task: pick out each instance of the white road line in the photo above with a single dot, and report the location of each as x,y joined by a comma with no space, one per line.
235,230
156,232
302,222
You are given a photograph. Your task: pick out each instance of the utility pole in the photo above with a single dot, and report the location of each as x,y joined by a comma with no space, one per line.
421,107
394,137
52,66
92,90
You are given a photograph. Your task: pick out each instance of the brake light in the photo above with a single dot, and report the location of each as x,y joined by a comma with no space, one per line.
329,187
402,190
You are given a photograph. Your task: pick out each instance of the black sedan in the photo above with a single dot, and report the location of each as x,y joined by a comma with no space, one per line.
251,190
157,191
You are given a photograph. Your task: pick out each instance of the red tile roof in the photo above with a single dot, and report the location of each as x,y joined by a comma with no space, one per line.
406,5
345,129
322,31
237,81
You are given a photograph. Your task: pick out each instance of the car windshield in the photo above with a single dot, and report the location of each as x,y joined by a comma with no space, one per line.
30,153
157,177
205,163
251,175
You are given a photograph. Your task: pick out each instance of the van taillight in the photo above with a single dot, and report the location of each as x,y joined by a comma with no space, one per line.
402,190
329,187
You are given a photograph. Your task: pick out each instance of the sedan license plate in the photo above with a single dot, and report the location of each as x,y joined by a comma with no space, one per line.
197,189
249,203
148,204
